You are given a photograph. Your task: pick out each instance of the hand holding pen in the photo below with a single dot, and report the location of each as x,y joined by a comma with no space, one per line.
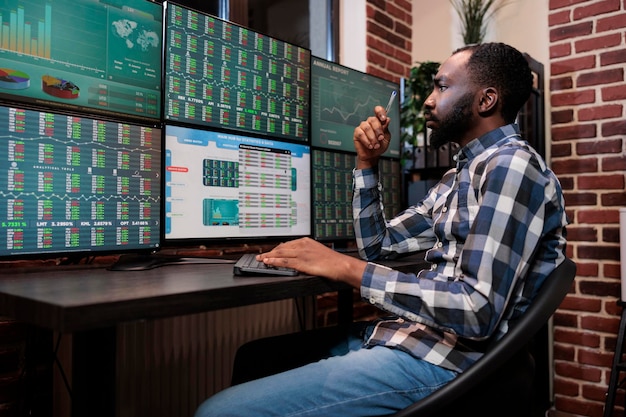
371,138
388,109
390,102
383,118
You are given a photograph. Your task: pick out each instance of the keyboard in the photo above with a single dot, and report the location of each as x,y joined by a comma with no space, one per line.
248,265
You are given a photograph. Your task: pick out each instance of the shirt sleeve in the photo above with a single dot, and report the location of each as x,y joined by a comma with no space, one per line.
410,231
505,204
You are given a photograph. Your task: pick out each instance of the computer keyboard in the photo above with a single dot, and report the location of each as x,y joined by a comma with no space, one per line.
248,265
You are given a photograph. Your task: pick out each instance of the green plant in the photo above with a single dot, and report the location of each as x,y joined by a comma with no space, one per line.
474,15
417,87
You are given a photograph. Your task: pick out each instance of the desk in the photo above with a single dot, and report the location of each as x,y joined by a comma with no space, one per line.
90,302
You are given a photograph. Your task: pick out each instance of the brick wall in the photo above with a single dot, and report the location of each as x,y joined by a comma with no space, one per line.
587,99
389,38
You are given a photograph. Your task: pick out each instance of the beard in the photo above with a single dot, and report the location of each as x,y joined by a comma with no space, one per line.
452,127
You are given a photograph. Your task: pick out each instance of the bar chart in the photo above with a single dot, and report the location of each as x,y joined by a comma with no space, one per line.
27,35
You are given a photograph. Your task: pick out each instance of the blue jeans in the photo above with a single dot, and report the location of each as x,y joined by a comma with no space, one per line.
359,382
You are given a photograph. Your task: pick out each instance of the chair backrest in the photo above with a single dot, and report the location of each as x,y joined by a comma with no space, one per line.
548,299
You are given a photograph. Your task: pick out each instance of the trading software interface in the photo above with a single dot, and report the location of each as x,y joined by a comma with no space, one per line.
332,192
73,184
226,76
221,185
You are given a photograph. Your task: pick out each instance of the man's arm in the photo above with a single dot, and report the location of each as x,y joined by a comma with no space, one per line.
408,232
468,293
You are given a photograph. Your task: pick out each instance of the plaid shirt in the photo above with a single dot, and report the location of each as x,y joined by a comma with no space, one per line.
494,227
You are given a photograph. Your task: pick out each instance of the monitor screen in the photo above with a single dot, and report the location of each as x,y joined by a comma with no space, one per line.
332,192
102,57
341,98
77,185
222,185
224,76
390,177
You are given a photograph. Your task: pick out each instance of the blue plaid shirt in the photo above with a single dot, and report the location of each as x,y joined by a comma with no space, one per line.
494,227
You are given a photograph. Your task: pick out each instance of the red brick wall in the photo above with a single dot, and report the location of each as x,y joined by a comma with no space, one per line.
587,99
389,38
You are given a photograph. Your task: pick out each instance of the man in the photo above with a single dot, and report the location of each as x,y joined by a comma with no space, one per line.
494,229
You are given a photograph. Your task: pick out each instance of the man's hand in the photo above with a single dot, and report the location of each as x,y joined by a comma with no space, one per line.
313,258
371,138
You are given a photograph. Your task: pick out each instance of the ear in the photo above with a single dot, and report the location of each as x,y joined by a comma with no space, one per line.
488,100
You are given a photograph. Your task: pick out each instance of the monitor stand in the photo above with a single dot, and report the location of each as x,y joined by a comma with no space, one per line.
143,262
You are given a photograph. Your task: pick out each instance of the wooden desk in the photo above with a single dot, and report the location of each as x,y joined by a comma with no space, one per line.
90,302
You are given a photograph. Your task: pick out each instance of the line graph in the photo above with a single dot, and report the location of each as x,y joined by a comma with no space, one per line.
341,98
88,141
81,197
345,104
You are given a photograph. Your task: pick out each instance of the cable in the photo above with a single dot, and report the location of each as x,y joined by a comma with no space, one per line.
60,366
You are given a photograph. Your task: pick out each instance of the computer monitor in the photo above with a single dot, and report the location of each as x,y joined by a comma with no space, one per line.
341,98
332,193
93,56
227,186
390,177
75,186
225,76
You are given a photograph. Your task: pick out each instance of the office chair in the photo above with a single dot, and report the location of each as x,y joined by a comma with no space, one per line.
500,383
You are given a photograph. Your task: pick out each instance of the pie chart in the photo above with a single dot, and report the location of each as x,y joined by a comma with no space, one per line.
11,79
59,88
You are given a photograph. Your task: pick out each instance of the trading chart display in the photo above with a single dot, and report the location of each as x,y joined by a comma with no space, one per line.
390,178
76,184
221,185
332,195
341,98
332,192
222,75
99,56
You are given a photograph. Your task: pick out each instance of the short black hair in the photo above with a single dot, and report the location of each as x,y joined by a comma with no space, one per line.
496,64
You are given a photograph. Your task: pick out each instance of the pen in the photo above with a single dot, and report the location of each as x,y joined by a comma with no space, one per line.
393,95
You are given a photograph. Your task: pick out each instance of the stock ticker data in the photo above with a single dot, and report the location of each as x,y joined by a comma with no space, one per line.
332,192
77,184
222,75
